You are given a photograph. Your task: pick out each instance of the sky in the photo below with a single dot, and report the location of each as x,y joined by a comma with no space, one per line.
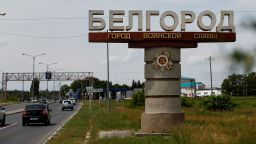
59,28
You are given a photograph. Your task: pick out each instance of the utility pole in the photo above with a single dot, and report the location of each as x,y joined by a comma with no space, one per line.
210,59
108,79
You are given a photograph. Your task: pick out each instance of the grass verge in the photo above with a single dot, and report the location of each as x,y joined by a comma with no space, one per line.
201,126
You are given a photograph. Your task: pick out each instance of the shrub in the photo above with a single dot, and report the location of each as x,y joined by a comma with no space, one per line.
138,99
218,103
186,102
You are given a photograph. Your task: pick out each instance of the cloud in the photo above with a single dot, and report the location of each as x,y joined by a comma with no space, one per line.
4,43
193,59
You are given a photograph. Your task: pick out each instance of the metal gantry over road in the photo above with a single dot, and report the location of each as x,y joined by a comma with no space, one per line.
41,76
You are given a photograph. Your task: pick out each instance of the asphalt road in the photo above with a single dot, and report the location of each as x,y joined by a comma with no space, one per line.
14,107
14,133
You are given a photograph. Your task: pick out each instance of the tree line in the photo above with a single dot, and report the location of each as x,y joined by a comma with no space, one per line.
240,85
77,85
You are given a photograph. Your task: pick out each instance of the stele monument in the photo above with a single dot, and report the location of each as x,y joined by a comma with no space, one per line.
162,52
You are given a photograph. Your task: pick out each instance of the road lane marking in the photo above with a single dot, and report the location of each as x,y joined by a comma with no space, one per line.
8,126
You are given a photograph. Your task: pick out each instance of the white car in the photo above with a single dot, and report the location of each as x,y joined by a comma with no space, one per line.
73,100
67,104
2,115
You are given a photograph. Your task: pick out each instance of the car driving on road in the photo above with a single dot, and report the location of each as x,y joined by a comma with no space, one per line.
2,115
67,104
73,100
36,113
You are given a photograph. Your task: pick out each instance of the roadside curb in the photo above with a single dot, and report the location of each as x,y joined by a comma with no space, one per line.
60,127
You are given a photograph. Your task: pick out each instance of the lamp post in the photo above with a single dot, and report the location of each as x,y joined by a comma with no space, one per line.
33,74
2,95
108,96
47,68
53,92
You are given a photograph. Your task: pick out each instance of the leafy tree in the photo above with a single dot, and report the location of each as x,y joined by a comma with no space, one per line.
233,85
137,84
64,89
116,86
76,85
101,83
251,84
125,86
134,84
238,85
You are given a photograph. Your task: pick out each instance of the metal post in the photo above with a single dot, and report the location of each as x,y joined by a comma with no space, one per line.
4,85
108,78
33,82
211,72
53,91
22,89
47,67
59,88
246,86
2,90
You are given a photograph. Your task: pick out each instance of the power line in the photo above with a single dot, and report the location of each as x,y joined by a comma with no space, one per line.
82,17
62,18
33,36
40,19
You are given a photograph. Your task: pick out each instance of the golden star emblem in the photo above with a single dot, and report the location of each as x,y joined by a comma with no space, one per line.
161,61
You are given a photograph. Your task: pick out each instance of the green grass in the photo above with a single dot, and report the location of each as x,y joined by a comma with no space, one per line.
201,126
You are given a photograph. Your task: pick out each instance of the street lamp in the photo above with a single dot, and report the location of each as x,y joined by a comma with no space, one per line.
53,92
108,78
2,95
47,68
34,57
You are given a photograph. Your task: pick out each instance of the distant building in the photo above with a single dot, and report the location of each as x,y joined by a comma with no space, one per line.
207,92
191,88
188,87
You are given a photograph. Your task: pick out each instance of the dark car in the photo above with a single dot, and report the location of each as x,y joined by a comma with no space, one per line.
2,115
36,113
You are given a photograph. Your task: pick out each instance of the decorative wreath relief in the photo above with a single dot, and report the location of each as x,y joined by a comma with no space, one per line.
161,61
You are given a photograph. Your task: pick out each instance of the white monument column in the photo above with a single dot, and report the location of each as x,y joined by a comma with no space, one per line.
162,90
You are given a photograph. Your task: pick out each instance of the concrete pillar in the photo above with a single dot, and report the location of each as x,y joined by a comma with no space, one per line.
162,90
